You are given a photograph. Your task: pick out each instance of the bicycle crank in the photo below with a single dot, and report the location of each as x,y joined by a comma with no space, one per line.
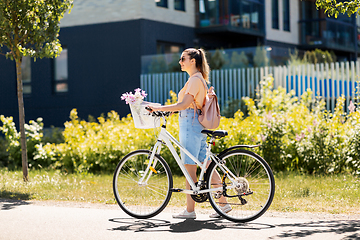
202,197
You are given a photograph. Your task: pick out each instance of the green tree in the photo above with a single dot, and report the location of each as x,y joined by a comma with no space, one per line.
295,59
239,60
319,56
217,60
158,64
30,28
260,58
334,7
174,66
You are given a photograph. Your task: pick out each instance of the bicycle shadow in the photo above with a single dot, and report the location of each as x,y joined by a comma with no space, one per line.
188,225
347,229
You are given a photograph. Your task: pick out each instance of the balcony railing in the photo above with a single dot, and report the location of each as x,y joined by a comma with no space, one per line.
328,33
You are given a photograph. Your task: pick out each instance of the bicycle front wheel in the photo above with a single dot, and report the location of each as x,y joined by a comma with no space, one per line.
138,195
247,185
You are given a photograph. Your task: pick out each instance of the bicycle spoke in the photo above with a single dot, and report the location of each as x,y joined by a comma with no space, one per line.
253,192
142,199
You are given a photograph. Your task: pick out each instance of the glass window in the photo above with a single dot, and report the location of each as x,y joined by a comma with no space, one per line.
309,11
26,74
245,14
180,5
61,72
286,15
209,13
275,14
161,3
165,47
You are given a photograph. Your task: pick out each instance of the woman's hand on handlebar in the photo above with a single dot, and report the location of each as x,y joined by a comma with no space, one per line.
152,108
158,112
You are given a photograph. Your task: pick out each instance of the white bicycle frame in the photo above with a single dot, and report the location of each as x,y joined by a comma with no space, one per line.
166,138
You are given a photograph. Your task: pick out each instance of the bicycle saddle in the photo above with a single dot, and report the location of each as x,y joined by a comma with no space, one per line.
215,134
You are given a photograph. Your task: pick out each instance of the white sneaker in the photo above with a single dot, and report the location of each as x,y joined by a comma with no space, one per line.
225,209
185,215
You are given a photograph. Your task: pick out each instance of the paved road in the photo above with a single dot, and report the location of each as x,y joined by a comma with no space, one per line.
54,220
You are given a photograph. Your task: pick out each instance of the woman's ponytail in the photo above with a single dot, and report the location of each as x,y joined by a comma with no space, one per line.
201,61
204,67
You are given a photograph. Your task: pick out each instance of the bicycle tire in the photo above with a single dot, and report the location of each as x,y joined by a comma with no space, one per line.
256,187
142,200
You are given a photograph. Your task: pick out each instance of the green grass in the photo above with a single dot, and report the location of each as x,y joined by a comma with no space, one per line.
328,194
336,194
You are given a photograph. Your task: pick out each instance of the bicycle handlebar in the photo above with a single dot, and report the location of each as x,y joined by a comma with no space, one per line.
159,113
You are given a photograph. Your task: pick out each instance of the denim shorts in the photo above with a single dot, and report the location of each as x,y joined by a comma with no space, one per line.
191,137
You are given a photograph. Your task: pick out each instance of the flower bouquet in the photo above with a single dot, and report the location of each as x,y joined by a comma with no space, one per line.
142,118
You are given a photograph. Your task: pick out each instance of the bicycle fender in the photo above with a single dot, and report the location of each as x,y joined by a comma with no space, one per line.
236,147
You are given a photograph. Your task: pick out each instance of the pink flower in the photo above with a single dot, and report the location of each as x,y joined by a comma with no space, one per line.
131,98
125,97
300,137
315,123
269,116
309,129
352,107
263,138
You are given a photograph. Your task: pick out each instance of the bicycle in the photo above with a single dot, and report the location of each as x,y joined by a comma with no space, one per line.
143,182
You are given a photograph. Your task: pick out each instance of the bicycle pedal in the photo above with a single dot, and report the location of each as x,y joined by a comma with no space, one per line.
175,190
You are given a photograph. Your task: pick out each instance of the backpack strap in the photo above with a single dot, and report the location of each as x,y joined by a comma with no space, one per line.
206,92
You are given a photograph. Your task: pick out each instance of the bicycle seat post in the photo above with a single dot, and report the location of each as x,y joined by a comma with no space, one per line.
212,141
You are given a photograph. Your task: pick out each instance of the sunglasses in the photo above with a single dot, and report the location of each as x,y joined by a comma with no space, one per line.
182,59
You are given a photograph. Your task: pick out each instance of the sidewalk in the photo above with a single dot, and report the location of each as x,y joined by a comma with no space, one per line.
64,220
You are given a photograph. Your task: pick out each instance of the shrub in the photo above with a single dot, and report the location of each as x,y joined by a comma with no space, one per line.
34,134
4,156
352,143
295,134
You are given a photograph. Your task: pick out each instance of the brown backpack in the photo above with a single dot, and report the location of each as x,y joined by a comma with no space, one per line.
209,116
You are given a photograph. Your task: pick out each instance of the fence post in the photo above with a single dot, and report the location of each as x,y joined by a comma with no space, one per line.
353,80
327,82
297,77
347,65
337,79
302,75
285,76
333,92
238,79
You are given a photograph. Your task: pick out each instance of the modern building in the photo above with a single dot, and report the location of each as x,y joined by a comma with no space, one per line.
104,41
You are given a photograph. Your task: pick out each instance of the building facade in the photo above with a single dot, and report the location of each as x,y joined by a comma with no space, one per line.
104,41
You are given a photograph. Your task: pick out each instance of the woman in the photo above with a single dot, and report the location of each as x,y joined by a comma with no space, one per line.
192,61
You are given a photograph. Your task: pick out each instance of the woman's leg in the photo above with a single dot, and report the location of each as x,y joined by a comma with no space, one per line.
193,141
216,180
190,203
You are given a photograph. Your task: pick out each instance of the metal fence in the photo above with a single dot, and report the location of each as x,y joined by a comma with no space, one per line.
328,81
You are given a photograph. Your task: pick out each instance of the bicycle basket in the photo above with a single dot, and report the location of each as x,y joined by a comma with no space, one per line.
142,118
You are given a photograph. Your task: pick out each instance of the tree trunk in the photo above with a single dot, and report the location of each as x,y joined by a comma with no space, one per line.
22,121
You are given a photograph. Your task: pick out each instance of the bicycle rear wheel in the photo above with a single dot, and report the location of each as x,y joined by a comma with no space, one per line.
255,186
147,198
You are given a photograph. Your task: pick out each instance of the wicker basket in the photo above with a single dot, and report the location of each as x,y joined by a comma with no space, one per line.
142,117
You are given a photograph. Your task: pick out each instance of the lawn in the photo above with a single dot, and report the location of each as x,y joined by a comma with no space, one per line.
335,194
